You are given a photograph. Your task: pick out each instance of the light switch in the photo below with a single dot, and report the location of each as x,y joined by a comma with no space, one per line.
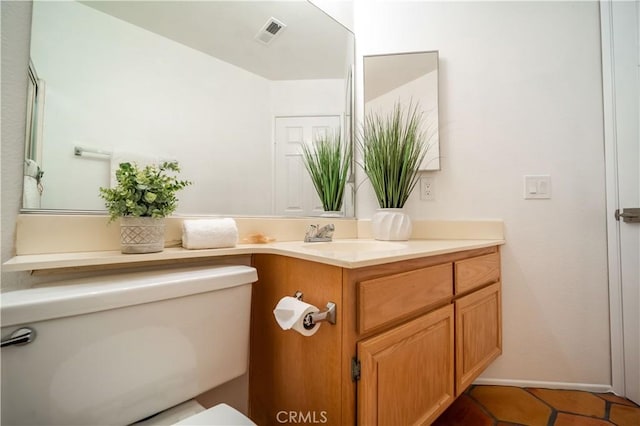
543,185
537,187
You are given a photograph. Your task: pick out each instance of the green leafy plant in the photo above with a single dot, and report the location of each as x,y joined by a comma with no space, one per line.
144,192
393,147
328,161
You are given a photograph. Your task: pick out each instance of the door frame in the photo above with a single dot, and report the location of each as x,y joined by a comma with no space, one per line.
612,200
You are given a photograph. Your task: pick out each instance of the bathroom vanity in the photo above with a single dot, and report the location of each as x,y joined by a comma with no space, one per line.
411,335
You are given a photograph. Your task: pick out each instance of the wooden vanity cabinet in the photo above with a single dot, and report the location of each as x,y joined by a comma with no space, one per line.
410,336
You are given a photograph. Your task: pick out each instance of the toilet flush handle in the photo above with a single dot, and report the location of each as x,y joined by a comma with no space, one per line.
21,336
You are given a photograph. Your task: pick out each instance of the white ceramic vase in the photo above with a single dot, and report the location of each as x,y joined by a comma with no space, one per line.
141,234
332,213
391,225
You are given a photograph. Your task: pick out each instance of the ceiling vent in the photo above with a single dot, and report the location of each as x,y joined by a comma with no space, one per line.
270,30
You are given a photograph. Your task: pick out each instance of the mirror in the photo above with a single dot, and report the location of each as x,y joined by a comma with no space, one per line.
405,78
201,82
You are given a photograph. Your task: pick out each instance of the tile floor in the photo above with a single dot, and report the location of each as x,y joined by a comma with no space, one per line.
506,405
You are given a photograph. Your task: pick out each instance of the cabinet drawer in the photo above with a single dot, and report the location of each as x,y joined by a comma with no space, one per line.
385,299
476,272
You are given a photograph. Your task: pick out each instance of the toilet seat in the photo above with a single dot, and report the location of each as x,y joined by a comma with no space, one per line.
221,414
192,413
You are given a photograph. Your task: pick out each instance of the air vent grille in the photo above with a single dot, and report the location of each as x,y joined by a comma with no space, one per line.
270,30
273,28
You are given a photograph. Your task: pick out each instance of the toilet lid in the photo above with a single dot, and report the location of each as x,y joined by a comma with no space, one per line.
221,414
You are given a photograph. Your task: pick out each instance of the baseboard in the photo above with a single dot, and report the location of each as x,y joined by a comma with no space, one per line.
589,387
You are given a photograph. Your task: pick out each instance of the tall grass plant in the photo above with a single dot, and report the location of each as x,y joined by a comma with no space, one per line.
393,147
328,161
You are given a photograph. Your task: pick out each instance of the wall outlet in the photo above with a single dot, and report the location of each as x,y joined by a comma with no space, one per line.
427,188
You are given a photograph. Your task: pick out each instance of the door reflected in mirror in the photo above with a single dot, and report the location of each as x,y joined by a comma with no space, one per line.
406,78
32,176
197,82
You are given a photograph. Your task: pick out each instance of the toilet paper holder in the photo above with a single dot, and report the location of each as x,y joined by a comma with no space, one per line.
310,320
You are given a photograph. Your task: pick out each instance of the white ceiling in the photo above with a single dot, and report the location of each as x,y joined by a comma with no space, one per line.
313,45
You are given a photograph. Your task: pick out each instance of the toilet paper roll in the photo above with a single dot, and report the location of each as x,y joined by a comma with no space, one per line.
290,313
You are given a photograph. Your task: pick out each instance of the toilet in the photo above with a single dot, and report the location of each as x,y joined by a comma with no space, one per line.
125,348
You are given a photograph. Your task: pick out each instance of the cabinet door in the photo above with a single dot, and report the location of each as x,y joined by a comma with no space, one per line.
407,372
478,333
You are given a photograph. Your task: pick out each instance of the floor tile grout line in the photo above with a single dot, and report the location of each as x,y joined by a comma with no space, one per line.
480,405
554,412
585,416
552,415
603,417
610,404
607,409
629,402
581,414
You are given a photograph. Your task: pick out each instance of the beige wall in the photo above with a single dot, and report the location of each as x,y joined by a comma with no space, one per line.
520,93
16,28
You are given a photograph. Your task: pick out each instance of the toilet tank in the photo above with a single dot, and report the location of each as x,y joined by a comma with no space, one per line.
114,349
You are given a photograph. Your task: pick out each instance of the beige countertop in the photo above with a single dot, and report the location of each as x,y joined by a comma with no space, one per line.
347,253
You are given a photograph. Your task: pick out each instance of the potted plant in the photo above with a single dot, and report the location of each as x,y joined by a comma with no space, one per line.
393,147
328,161
142,198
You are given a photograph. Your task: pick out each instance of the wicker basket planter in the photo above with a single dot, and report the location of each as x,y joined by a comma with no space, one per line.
141,234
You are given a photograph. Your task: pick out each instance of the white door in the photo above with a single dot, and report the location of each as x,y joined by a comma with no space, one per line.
294,192
621,70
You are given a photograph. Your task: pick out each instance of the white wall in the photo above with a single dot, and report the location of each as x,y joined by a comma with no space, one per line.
167,99
16,25
307,97
520,93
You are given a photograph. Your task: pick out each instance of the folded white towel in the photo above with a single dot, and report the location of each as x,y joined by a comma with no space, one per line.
31,168
209,233
30,193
